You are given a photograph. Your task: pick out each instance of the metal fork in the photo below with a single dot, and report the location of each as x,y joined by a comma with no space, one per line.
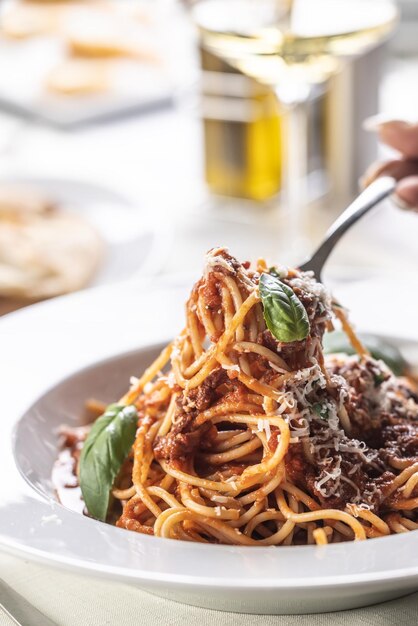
369,198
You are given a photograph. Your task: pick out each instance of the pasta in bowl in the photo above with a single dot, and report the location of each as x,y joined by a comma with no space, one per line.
243,432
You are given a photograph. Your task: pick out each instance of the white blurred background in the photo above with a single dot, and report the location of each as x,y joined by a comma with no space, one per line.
126,135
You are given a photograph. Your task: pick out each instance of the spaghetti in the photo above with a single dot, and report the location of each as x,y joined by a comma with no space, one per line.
244,439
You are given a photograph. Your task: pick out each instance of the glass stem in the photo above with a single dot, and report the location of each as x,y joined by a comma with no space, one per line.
294,178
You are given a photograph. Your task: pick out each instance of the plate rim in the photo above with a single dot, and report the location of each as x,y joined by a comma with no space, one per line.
110,571
141,575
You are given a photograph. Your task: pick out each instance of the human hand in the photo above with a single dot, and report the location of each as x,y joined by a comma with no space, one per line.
403,137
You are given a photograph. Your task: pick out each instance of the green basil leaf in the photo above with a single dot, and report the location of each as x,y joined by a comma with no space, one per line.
277,272
285,315
105,449
321,410
337,341
379,379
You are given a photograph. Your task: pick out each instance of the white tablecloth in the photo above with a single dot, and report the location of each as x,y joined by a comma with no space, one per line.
73,600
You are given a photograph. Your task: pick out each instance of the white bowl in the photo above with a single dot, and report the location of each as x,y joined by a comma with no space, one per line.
47,342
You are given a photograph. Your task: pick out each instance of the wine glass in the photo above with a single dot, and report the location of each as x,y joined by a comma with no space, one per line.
294,47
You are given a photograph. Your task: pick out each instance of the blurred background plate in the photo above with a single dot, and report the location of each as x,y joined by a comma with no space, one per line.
136,88
136,244
81,62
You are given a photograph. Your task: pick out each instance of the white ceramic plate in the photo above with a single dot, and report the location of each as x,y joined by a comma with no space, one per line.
47,343
135,244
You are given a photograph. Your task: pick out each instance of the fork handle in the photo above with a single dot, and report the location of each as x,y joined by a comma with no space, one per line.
369,198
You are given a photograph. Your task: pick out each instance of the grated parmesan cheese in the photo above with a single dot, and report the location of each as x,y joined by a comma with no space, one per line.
354,509
307,282
51,519
188,403
220,499
227,366
232,482
175,353
276,368
264,426
333,476
171,380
